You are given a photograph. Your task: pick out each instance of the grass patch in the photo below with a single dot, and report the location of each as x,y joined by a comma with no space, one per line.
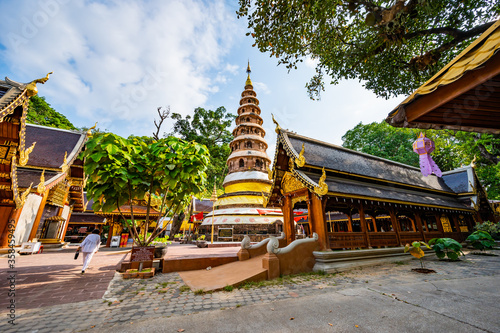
399,263
228,288
165,284
287,279
184,288
238,305
202,292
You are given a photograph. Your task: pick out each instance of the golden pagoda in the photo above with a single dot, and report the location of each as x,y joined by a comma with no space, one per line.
241,206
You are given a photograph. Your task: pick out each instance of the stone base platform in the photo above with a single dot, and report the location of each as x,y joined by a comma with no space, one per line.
339,261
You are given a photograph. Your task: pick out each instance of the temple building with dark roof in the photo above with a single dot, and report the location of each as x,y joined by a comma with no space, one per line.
41,176
356,200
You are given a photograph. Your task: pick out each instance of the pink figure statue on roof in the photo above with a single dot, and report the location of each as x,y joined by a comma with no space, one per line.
423,147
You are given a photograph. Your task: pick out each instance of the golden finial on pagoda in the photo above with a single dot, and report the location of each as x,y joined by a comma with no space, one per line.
89,131
41,186
301,160
24,155
473,163
31,89
65,167
249,82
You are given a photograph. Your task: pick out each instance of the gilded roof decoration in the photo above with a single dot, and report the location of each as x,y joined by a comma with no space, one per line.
301,160
64,166
25,154
21,200
322,188
290,184
31,88
278,127
41,186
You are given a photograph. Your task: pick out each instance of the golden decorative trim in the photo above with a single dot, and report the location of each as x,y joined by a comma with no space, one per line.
4,175
290,184
301,160
291,165
24,155
278,128
269,174
89,131
6,187
298,199
65,166
322,189
265,200
20,201
31,89
41,186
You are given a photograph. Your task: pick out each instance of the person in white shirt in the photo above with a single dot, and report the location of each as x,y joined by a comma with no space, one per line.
88,247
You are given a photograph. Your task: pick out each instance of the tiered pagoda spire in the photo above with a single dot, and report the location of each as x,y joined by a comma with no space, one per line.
248,161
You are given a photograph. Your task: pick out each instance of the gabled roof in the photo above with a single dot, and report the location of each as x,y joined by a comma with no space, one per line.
462,95
345,161
327,169
52,144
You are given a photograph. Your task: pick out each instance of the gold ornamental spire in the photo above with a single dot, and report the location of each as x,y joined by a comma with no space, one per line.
249,82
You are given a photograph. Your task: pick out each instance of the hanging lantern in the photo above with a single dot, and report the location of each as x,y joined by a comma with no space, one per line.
423,147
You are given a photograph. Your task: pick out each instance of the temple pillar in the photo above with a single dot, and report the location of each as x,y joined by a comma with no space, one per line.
10,227
439,225
395,225
420,227
288,223
364,226
317,220
455,222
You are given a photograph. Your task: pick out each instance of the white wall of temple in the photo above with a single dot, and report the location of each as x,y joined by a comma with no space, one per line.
27,218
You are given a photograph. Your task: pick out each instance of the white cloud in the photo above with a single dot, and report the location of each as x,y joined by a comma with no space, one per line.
117,61
261,87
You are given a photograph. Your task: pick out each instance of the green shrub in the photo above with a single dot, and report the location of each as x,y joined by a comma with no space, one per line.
202,237
446,247
492,228
481,240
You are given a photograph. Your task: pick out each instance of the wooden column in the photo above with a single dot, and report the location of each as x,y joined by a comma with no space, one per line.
288,223
395,224
364,227
420,226
349,222
455,221
38,217
317,219
110,232
63,235
439,225
9,227
374,221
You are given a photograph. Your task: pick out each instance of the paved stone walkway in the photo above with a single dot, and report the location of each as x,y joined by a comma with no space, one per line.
166,295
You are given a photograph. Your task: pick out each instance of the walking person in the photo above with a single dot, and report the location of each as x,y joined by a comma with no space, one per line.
88,247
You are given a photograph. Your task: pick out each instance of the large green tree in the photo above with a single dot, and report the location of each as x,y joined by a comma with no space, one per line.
392,46
41,113
453,149
212,129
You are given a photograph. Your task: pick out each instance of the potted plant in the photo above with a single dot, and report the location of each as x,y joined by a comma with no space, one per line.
446,247
416,251
482,241
201,242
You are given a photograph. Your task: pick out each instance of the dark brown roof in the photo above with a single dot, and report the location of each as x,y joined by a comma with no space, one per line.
25,177
85,217
52,144
347,161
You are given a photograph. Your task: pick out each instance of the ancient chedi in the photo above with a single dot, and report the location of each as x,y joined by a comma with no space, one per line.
241,207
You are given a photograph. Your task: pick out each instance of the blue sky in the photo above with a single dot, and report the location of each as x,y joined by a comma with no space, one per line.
115,62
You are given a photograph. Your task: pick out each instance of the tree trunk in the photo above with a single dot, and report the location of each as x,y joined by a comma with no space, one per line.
176,224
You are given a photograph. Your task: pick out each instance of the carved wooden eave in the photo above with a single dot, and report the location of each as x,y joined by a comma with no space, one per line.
286,175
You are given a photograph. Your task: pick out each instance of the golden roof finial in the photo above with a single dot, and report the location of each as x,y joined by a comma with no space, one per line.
278,128
41,186
65,167
322,189
31,89
473,163
301,160
89,131
24,155
249,82
22,199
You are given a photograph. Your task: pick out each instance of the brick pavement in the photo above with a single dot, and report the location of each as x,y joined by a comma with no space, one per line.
165,295
55,277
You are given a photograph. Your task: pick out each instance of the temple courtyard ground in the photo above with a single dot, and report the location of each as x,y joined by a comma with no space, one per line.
52,296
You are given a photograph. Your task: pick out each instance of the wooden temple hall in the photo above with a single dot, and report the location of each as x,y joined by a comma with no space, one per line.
355,200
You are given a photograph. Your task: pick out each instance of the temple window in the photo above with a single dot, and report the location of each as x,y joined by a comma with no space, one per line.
406,221
242,163
248,144
430,222
248,119
249,101
258,163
